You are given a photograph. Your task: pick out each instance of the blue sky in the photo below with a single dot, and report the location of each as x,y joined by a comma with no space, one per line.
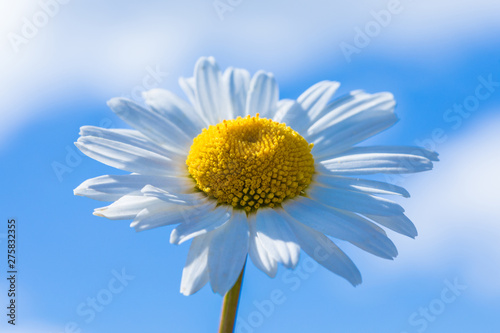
430,56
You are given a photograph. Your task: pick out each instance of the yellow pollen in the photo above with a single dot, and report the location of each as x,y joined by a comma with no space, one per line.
251,162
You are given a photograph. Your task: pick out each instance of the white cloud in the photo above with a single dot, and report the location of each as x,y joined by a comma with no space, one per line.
106,46
457,213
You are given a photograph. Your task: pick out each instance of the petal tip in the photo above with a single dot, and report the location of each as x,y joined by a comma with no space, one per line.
113,102
174,237
185,291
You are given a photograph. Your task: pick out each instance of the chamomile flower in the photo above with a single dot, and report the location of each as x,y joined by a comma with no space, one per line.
243,173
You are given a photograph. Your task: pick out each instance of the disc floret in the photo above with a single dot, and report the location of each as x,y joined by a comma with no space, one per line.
251,162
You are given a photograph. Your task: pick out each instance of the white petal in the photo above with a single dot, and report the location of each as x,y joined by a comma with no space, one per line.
354,201
112,187
227,252
176,110
195,272
277,237
371,163
167,214
208,89
282,108
314,99
338,104
263,95
342,225
400,224
125,156
347,107
344,135
325,252
292,114
350,121
201,223
359,185
188,85
400,150
130,137
127,207
259,255
175,198
152,124
236,85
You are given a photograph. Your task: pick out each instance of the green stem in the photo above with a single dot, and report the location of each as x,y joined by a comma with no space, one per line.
230,306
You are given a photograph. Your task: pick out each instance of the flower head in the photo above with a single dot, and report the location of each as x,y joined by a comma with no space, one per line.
241,172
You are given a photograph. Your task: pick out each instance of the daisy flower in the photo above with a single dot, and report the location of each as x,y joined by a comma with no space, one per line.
243,173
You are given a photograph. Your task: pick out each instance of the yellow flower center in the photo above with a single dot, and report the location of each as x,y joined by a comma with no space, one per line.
251,162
